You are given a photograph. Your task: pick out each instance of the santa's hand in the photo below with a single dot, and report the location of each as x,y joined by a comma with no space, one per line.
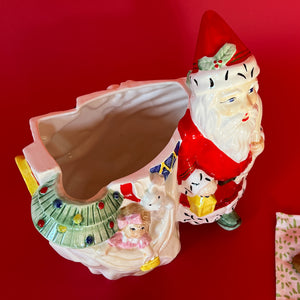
209,189
198,183
257,147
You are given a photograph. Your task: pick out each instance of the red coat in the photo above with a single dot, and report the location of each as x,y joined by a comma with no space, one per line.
197,152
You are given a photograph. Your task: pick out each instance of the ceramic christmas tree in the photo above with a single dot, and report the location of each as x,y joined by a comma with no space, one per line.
69,224
111,179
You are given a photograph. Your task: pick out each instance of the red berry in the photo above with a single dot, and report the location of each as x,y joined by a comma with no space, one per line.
215,61
43,190
216,66
220,61
111,224
101,205
41,223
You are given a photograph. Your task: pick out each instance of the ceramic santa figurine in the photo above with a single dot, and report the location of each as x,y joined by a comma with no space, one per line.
111,178
221,131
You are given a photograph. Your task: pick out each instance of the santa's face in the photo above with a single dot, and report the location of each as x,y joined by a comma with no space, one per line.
228,117
237,101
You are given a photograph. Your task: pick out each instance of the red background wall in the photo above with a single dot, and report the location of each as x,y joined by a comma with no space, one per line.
53,51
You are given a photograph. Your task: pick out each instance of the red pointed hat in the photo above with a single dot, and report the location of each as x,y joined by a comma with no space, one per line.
214,33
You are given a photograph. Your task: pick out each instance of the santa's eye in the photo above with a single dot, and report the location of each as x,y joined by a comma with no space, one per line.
230,100
143,228
132,228
251,90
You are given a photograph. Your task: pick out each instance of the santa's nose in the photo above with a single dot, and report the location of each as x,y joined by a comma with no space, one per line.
249,101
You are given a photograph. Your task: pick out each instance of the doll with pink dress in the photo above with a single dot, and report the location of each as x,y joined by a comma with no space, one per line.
133,223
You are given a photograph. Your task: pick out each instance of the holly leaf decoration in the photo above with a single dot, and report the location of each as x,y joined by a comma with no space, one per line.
206,63
188,78
225,53
222,57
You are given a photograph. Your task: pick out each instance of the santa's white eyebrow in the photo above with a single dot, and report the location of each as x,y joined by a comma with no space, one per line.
230,93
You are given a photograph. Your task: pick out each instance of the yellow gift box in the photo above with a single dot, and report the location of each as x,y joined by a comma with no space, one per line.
202,206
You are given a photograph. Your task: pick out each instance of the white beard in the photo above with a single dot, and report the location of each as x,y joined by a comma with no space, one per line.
229,134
